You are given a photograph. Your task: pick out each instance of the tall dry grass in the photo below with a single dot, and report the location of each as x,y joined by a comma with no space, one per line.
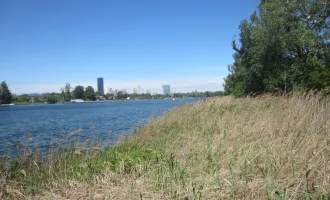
225,148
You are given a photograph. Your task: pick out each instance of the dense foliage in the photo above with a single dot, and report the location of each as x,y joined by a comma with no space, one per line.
52,98
23,99
79,92
90,93
66,92
283,47
5,94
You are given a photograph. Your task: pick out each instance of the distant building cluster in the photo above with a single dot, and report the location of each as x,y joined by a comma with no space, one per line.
137,90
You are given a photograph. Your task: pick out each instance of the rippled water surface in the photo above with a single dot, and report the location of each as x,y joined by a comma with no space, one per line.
49,125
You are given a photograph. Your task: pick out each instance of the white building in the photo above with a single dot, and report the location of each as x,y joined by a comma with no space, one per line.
109,90
135,91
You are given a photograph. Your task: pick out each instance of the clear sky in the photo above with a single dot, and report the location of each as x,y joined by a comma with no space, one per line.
184,43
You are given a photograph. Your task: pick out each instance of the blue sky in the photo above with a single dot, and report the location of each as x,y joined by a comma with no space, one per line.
184,43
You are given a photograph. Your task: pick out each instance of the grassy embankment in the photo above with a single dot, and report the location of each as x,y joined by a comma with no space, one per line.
224,148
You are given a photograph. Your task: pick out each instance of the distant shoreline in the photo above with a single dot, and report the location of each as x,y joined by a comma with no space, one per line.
21,104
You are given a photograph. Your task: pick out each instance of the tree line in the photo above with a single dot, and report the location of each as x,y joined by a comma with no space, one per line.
80,92
283,47
67,93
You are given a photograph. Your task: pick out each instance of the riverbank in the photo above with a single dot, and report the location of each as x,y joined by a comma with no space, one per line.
221,148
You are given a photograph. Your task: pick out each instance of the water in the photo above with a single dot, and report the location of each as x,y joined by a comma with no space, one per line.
46,126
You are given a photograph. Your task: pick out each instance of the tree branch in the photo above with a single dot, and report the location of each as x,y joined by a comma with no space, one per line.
304,12
235,47
317,22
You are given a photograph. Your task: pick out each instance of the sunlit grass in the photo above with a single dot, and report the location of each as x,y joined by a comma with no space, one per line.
225,148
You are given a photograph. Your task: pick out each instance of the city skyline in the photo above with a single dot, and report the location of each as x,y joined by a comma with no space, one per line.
179,85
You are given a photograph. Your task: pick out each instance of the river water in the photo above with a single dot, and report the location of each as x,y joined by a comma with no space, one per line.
47,126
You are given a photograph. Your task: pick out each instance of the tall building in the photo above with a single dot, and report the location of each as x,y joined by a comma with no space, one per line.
135,91
166,89
148,91
109,90
100,85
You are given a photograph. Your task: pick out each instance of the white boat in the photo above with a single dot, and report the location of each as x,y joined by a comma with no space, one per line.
7,104
77,101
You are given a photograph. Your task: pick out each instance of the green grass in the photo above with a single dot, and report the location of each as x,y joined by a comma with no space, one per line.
31,173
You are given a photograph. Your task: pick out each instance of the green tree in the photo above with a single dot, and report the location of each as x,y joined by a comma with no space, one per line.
52,98
23,98
284,46
90,93
37,99
120,95
178,95
79,92
97,93
5,94
66,92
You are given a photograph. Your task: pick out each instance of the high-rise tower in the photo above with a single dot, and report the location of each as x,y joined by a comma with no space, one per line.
100,86
166,89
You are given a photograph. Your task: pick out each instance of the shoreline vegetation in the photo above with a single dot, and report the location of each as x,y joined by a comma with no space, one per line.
104,101
266,147
57,99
